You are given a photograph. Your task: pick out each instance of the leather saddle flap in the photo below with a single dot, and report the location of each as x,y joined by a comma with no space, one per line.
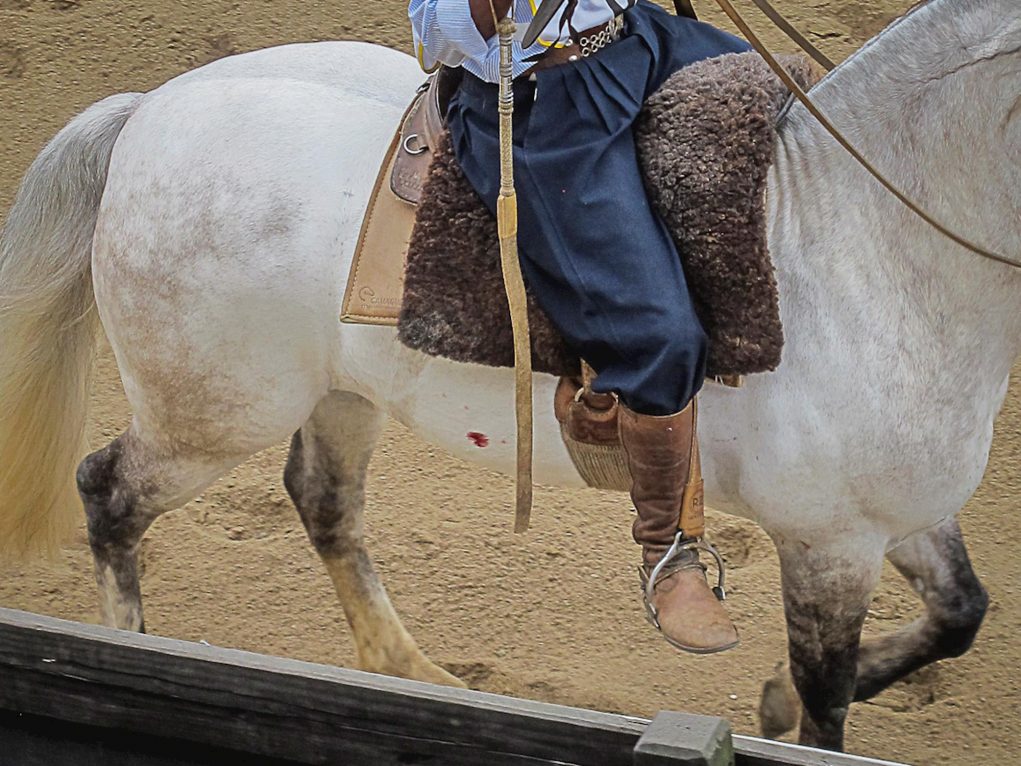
375,284
420,132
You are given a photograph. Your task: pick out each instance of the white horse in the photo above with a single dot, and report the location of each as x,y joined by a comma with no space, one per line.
211,224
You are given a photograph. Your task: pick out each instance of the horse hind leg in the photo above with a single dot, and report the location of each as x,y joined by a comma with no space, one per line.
124,488
325,477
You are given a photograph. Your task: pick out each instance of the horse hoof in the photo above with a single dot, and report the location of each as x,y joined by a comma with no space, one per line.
434,674
780,707
423,670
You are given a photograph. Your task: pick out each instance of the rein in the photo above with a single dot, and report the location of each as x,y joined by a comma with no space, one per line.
799,39
803,97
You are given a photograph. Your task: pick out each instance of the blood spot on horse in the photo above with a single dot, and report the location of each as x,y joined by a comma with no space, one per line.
479,440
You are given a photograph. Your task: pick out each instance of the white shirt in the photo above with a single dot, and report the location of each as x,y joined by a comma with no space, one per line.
445,33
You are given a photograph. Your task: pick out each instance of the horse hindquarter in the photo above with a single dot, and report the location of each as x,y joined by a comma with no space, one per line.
234,198
222,246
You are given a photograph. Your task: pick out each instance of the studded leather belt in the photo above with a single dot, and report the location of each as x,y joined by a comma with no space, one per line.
589,41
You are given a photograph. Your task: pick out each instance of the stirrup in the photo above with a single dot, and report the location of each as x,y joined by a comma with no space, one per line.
663,569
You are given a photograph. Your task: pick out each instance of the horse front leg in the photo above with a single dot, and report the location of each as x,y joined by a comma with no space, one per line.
325,477
935,563
826,592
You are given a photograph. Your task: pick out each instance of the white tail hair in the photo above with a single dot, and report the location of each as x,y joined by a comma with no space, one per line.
48,326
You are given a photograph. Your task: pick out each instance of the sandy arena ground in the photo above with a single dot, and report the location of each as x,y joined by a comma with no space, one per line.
505,613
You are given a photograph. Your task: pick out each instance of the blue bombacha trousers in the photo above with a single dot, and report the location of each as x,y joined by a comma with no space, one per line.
598,259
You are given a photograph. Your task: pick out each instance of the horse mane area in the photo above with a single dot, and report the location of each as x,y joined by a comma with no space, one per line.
553,615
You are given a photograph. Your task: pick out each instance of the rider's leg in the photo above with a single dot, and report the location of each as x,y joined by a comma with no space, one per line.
603,267
679,41
667,492
663,451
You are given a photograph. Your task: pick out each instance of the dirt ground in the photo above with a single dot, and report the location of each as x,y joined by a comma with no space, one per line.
550,616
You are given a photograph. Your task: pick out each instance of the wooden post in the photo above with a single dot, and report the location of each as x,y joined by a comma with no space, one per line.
680,739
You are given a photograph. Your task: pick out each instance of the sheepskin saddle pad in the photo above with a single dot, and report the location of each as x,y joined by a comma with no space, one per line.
705,143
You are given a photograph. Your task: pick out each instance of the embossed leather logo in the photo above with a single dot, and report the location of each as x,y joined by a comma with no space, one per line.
370,300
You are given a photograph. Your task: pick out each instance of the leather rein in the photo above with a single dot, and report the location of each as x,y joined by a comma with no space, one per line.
803,97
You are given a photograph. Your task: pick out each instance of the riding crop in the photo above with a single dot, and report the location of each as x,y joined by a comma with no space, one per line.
513,282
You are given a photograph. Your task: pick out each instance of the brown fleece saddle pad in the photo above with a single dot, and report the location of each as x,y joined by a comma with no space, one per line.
705,143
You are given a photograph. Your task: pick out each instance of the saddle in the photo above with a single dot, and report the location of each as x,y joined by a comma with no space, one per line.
420,133
705,143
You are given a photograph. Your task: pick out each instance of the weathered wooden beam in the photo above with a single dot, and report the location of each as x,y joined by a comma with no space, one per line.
752,751
99,688
31,741
679,739
283,708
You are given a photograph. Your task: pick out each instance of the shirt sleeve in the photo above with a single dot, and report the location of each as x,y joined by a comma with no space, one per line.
445,33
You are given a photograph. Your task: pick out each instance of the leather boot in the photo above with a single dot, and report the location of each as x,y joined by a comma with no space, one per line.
667,492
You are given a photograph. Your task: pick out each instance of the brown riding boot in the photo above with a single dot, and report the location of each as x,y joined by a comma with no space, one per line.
667,492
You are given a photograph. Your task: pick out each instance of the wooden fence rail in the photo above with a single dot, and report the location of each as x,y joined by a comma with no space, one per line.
90,696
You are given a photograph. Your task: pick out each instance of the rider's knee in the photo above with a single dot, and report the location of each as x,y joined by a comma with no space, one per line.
676,339
682,349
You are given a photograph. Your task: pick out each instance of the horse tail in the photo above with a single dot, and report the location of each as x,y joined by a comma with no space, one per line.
48,328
